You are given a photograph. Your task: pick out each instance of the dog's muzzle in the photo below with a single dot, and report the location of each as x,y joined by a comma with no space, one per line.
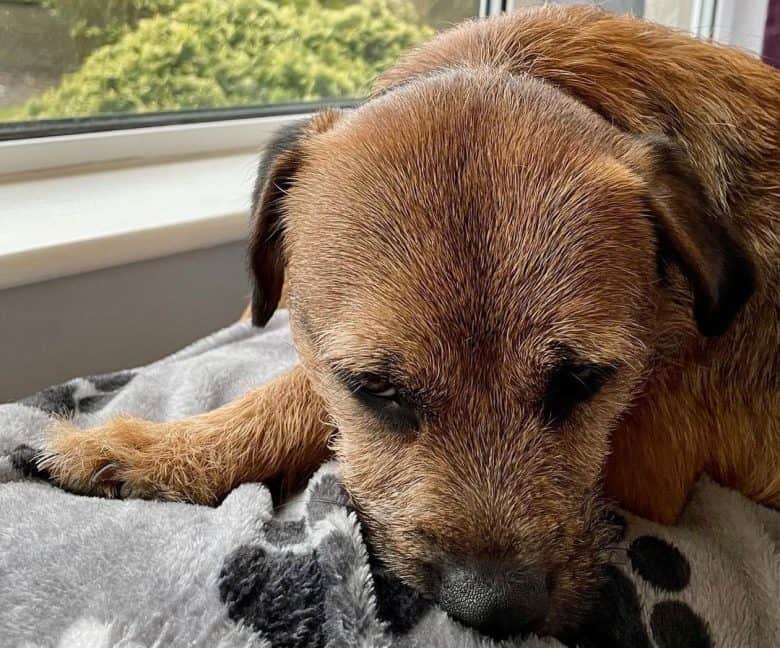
497,599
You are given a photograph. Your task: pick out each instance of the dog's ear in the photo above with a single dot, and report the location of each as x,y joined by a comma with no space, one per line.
694,234
276,175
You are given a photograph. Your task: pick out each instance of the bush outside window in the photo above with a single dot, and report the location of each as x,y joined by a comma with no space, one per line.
80,58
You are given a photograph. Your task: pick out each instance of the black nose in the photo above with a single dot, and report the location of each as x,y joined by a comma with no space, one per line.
497,599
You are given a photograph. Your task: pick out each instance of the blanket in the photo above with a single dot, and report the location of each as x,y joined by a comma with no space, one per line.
83,571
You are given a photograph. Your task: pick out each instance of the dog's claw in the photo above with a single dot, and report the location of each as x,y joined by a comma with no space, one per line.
106,474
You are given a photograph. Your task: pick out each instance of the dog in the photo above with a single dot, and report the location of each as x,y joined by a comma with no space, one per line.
536,272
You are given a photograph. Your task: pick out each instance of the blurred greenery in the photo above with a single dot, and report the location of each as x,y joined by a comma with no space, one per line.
92,24
152,55
8,113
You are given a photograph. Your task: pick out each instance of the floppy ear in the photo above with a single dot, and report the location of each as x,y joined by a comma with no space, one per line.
276,175
695,235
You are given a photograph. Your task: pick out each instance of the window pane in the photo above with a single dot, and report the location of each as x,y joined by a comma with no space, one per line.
674,13
76,59
85,58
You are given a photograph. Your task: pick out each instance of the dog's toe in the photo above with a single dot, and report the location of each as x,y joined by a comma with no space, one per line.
107,474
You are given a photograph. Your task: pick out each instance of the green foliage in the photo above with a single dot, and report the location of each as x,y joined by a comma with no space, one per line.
93,23
216,53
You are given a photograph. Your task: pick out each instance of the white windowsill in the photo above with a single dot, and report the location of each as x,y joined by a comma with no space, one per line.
64,225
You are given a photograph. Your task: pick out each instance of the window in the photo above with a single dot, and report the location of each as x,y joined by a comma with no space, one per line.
96,59
675,13
129,129
83,66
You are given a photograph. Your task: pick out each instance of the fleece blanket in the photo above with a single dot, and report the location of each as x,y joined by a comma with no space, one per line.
82,571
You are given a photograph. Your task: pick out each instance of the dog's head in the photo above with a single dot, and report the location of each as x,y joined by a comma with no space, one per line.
473,271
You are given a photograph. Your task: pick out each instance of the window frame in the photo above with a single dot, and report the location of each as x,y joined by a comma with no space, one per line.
741,24
73,145
147,143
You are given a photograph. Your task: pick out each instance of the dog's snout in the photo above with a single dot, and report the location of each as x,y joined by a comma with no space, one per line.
497,599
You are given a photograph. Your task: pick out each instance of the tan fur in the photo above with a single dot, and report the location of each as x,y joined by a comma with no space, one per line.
277,432
725,108
505,194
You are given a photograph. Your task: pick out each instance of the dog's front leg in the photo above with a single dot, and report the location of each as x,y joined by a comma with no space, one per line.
278,431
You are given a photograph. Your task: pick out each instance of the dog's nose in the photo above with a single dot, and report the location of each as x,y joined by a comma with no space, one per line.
498,600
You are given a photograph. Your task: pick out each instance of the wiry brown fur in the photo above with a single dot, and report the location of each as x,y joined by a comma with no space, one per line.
200,459
511,189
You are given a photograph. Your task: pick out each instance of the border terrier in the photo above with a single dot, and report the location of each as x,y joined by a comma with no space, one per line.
537,271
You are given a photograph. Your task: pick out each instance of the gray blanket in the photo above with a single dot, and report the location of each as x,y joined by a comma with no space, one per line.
81,571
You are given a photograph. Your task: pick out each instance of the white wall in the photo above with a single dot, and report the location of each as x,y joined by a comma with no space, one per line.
120,317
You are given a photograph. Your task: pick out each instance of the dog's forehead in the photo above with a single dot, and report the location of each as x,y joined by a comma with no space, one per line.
455,129
460,152
436,222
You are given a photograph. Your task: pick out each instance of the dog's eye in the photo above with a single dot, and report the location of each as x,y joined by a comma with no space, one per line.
570,384
386,401
379,390
378,395
391,403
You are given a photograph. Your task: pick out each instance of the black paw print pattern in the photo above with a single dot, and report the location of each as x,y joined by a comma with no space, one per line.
296,595
282,595
274,590
279,595
673,623
397,604
616,619
86,395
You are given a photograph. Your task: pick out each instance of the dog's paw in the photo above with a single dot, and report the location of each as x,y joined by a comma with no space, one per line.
119,459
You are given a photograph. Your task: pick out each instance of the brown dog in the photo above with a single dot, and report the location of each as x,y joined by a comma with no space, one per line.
538,270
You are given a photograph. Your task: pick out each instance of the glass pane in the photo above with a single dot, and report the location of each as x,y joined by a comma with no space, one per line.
86,58
675,13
